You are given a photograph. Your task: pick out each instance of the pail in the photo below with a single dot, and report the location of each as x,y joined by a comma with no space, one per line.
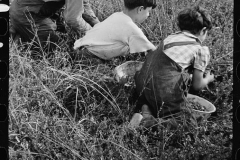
127,70
209,107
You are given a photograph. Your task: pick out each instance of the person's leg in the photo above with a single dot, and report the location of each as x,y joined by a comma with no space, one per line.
142,101
88,15
154,98
59,20
41,35
46,35
22,29
13,33
143,106
163,97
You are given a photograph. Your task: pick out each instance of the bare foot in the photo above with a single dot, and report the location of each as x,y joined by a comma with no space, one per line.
148,120
146,111
135,121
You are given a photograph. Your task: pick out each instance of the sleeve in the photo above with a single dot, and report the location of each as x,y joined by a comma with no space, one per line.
73,16
140,43
77,44
202,58
88,14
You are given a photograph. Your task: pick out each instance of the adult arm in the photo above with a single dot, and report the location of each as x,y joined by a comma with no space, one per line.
73,16
88,14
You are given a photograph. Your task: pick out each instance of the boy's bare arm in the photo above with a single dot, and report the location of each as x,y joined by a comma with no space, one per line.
199,81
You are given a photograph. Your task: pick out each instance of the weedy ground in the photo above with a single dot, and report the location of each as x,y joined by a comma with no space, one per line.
61,111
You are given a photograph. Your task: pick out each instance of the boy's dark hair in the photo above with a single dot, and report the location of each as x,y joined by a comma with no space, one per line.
131,4
194,19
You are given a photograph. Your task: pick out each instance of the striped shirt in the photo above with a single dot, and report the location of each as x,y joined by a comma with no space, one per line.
187,55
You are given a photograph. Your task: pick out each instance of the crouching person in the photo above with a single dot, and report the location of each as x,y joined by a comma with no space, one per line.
31,19
118,35
163,82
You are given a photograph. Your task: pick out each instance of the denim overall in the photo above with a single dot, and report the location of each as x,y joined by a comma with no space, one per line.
162,84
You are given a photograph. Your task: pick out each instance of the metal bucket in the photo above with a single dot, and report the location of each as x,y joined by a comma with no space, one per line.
127,70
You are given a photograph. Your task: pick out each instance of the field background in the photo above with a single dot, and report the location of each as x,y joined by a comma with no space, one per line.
57,111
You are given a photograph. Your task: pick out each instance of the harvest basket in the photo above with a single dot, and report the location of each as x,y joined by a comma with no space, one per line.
198,114
127,70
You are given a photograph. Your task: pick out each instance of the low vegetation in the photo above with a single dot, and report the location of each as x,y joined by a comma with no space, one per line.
61,111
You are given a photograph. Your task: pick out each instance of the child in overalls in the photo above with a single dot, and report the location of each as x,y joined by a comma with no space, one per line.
162,83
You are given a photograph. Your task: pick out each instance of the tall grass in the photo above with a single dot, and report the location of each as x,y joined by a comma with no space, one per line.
60,111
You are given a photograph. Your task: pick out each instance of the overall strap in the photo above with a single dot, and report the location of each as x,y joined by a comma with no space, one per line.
167,46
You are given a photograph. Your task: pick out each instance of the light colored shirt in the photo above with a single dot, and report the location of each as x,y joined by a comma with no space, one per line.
187,55
116,36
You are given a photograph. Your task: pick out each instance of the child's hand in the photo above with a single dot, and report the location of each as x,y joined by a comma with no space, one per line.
191,76
209,76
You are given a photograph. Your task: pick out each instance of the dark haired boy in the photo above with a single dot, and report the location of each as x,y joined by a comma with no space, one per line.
164,79
118,35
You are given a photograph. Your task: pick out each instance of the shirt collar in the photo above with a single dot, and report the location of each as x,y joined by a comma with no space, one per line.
188,34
